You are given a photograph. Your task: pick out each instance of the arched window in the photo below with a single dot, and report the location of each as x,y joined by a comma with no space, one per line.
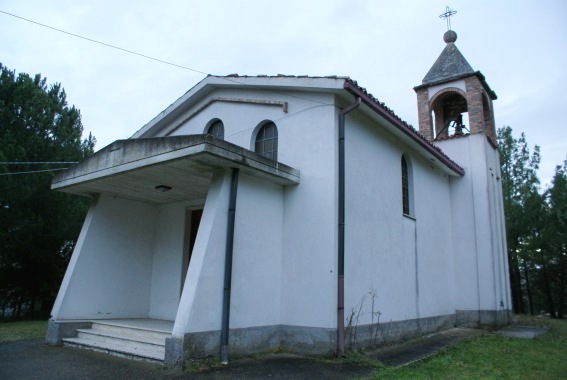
407,188
216,129
267,141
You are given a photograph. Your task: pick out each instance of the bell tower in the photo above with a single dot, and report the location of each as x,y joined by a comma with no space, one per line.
456,114
450,93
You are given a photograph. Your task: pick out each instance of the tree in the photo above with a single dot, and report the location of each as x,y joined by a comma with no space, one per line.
38,227
522,202
553,244
536,228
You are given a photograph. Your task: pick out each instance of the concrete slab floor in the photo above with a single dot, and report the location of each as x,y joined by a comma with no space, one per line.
523,332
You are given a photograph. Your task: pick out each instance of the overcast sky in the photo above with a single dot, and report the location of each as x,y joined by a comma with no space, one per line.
387,46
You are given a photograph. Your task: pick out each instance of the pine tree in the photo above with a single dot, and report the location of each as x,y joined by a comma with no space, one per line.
38,227
536,228
553,245
520,187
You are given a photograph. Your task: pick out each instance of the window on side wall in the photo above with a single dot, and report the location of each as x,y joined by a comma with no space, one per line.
267,141
216,129
407,187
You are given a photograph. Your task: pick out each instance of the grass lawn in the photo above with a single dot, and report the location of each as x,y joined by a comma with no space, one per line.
495,357
22,330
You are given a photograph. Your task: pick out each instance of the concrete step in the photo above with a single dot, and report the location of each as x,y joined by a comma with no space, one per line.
129,332
136,339
125,338
143,324
154,355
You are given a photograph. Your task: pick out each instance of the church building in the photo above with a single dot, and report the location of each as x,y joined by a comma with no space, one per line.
290,212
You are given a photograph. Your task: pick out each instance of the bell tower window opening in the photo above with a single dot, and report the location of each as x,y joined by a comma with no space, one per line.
450,115
489,126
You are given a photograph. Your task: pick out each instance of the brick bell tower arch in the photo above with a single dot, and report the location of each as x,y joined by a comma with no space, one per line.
453,95
449,107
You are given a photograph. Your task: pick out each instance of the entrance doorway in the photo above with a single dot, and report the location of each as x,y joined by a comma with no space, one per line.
192,222
193,229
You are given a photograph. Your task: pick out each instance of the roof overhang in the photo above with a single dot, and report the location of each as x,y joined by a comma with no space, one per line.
134,168
477,74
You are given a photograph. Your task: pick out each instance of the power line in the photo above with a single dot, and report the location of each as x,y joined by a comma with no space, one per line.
105,44
283,117
149,57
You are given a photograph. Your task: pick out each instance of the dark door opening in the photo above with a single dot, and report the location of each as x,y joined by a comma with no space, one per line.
194,228
192,222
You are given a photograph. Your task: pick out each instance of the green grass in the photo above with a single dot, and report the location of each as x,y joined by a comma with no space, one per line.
23,330
494,357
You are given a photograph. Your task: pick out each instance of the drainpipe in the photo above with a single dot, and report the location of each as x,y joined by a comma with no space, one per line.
341,266
228,267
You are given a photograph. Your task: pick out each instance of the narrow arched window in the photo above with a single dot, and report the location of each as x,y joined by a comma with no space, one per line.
216,129
267,141
405,187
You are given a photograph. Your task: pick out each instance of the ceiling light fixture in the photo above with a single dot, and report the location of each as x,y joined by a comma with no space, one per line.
163,188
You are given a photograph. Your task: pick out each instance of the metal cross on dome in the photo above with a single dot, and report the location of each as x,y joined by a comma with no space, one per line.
447,15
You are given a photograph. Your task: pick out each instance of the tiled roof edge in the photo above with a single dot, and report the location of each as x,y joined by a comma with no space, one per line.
381,108
284,76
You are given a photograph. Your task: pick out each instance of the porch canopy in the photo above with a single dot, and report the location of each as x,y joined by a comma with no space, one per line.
136,168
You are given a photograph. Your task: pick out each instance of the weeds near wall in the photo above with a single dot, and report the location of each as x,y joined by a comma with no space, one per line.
375,315
352,324
353,319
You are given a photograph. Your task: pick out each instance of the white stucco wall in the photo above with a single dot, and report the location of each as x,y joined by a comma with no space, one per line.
479,225
463,203
256,275
257,259
375,257
240,118
167,263
109,275
307,141
500,248
435,253
384,247
200,306
309,279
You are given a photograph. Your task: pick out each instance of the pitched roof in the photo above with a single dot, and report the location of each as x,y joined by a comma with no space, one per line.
451,64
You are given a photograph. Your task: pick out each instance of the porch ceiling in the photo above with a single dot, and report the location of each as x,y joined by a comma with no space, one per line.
133,168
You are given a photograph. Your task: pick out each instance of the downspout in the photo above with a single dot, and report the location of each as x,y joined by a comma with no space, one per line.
341,248
228,267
